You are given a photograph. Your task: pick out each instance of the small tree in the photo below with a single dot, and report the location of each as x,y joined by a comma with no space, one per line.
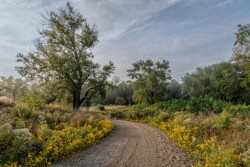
64,56
151,80
13,87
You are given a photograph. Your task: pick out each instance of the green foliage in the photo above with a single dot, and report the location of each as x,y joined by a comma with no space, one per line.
22,111
200,104
238,109
223,120
171,105
14,144
221,81
174,90
206,105
242,52
100,107
63,57
33,100
151,80
136,112
118,115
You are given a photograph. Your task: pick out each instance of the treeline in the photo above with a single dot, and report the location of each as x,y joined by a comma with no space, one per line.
223,81
227,81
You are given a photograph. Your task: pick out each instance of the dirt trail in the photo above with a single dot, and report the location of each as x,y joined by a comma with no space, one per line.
131,144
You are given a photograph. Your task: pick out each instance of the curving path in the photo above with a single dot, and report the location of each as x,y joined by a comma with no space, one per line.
132,145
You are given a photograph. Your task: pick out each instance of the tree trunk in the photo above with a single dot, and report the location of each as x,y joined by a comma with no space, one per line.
76,102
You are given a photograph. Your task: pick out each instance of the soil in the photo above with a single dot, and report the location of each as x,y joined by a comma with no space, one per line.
131,144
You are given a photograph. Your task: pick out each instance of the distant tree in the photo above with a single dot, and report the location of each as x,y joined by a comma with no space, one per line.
174,90
124,90
241,53
221,81
63,54
150,80
197,83
13,87
226,81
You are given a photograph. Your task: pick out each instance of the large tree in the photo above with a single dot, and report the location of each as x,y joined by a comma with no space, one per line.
150,80
63,55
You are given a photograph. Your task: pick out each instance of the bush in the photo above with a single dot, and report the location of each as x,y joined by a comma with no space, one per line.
14,144
120,101
223,120
32,100
200,104
236,109
171,105
100,107
206,105
118,115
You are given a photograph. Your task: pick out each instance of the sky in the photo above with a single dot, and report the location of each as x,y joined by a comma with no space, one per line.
187,33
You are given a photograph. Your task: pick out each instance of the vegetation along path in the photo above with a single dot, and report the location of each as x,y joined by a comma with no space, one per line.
131,144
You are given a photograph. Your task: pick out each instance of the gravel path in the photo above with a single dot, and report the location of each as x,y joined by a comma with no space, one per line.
131,144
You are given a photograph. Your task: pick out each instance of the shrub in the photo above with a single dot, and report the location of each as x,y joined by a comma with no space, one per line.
32,100
200,104
120,101
223,120
14,144
100,107
241,109
118,115
206,105
171,105
22,111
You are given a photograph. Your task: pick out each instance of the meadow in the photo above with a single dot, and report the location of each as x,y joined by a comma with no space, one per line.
39,135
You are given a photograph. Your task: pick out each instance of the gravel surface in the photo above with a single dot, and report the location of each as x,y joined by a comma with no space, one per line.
131,144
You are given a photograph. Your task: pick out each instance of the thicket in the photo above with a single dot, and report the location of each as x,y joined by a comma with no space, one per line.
33,135
215,133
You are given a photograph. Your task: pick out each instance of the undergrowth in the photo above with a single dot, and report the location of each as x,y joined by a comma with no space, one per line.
39,135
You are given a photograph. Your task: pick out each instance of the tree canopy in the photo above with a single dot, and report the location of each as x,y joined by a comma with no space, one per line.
150,80
221,81
63,55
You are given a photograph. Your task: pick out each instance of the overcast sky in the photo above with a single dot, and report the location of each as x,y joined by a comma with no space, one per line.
188,33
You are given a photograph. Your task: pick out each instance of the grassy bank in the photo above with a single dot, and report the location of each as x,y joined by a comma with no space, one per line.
38,136
217,135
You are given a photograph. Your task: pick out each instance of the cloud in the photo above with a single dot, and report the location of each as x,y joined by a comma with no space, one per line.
114,17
